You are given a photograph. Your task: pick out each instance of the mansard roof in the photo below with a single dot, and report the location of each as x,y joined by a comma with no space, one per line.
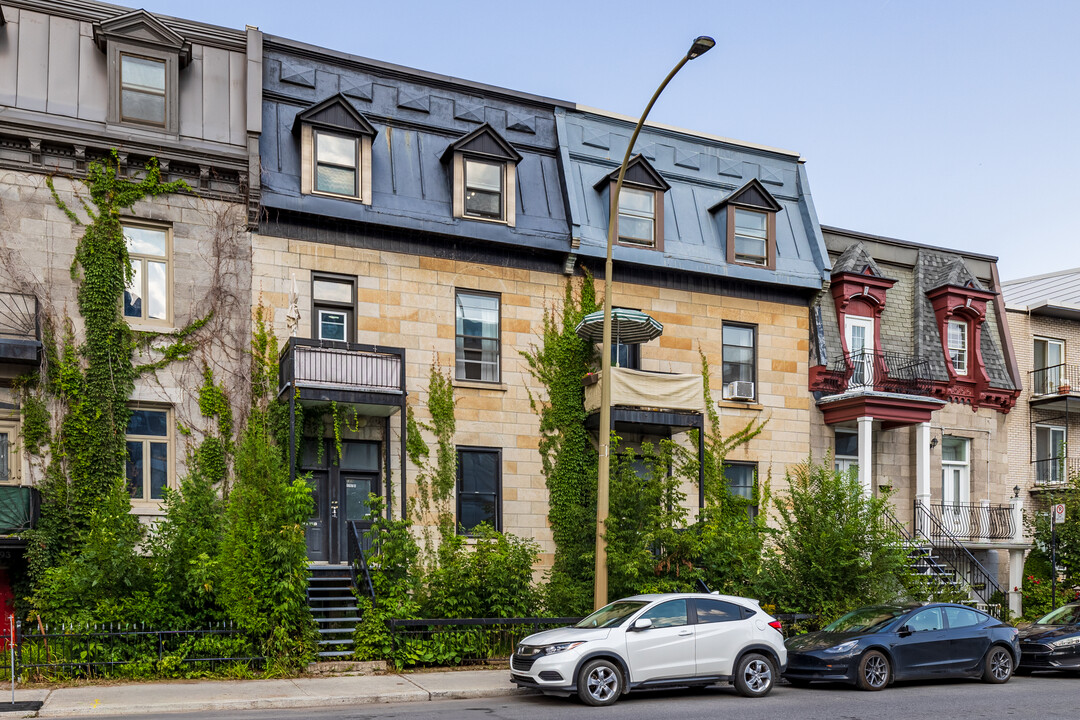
483,141
638,172
335,113
856,260
752,194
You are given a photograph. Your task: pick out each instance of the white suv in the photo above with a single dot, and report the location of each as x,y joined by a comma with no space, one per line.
649,641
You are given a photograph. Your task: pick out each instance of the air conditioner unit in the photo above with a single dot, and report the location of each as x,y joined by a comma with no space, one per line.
739,390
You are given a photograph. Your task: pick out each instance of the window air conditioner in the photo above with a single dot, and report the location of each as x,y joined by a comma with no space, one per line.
739,390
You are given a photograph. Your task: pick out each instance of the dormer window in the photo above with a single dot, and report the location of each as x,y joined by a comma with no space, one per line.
748,222
958,346
144,60
484,173
335,150
640,216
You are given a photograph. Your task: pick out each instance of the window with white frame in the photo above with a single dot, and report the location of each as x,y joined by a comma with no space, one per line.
846,457
9,463
1049,454
637,216
477,336
337,164
1049,363
751,237
333,306
484,189
958,346
955,470
148,454
147,296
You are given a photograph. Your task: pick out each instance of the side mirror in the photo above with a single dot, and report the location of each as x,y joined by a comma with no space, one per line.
642,624
904,631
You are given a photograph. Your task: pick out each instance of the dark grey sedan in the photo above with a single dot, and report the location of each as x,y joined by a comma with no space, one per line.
1052,642
873,646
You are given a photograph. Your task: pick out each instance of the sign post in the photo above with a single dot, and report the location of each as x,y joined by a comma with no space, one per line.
1057,516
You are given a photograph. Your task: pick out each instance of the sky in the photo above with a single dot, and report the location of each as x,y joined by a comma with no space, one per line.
943,122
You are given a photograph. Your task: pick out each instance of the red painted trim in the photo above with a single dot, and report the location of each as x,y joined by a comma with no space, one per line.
894,411
848,286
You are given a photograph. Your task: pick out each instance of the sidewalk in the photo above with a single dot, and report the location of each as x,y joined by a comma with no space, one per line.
196,696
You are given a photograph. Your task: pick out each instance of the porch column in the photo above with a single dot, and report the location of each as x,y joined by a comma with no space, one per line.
1016,508
922,470
1016,582
866,438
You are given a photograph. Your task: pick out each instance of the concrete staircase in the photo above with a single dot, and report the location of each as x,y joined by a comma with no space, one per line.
333,605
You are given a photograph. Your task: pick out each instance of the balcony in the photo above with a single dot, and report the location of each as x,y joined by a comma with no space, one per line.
875,371
20,330
19,508
1056,381
1055,472
647,390
343,372
973,522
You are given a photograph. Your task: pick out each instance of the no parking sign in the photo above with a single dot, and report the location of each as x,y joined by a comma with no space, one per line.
1059,513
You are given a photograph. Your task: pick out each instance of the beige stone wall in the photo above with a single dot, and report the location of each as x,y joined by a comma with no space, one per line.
408,301
210,248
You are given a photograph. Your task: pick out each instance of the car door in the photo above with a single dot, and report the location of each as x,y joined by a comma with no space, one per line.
665,650
718,635
924,650
968,636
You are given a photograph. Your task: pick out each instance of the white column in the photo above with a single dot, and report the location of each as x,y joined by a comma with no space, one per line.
922,463
866,439
1016,506
1016,580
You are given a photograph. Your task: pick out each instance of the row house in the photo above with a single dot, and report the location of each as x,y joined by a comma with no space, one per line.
914,378
79,80
410,219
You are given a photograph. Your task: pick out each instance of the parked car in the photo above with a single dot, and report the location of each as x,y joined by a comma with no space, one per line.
1052,642
651,641
873,646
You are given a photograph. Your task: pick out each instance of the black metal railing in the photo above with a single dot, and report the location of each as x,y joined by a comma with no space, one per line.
49,652
1056,471
1054,380
359,547
19,508
19,319
342,366
463,640
877,370
948,548
973,521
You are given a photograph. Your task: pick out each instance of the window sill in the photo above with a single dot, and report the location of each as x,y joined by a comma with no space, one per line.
735,405
477,218
145,327
480,385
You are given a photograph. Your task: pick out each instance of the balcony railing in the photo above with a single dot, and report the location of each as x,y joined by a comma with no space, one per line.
972,522
643,389
1056,471
19,507
876,370
19,317
342,366
1054,380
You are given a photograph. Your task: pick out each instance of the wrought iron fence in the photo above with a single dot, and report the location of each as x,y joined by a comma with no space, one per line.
972,521
50,652
463,640
878,370
1054,380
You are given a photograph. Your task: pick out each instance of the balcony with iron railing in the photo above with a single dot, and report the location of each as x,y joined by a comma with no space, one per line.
1054,381
877,371
1056,471
20,329
347,372
980,522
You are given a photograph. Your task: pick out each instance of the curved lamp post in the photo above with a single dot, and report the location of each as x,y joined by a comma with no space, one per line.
700,46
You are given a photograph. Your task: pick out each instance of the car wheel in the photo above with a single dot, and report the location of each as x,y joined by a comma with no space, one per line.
997,665
599,683
874,671
754,676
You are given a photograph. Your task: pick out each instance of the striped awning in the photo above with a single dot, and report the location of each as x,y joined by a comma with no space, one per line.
628,327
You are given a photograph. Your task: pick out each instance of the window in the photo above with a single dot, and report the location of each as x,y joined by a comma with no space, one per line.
962,617
147,295
667,614
738,362
958,346
142,90
637,217
9,463
479,480
626,356
926,621
955,467
846,457
1049,454
337,164
333,305
148,459
477,337
1049,362
484,189
740,482
751,237
717,611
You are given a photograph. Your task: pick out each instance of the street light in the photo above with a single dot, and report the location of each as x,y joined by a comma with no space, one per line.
700,46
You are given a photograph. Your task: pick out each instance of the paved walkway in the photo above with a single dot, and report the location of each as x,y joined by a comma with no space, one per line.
202,696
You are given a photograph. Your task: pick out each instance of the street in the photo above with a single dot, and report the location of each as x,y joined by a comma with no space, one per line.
1044,696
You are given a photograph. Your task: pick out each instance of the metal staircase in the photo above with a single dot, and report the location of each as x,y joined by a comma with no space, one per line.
331,596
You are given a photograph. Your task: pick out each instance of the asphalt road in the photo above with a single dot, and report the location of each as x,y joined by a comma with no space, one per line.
1038,697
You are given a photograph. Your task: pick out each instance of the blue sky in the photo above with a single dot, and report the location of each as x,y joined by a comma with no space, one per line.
941,122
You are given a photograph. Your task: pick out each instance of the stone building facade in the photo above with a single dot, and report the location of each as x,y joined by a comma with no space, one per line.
915,378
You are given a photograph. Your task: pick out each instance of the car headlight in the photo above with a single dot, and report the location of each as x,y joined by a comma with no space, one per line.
1067,642
843,647
561,647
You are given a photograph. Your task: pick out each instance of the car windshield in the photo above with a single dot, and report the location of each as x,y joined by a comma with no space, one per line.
869,619
1067,615
611,615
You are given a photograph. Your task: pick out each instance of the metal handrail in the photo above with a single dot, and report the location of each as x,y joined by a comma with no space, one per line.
1054,380
974,521
341,366
878,370
357,557
948,546
1055,470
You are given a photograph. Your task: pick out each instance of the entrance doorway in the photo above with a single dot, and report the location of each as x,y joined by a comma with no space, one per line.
340,489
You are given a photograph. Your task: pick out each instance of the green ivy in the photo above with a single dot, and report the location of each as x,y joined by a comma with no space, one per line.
436,478
35,423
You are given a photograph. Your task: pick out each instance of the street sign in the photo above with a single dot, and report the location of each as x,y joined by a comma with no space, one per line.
1058,512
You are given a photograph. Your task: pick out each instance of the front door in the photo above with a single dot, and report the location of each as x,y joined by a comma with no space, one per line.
859,334
956,485
340,489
